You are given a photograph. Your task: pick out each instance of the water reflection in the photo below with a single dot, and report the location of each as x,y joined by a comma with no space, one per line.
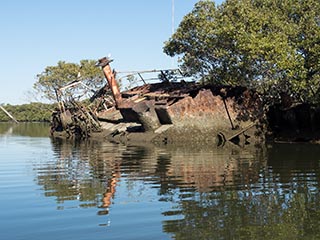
80,171
24,129
216,193
206,168
283,204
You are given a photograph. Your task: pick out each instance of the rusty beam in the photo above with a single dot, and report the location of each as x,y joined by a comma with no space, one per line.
109,75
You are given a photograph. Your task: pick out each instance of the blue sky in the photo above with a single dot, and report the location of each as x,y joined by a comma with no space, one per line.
36,34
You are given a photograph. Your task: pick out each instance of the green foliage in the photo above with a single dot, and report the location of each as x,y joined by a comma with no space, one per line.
55,77
132,80
271,45
33,112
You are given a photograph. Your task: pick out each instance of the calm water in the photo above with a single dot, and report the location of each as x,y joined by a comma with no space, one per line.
51,189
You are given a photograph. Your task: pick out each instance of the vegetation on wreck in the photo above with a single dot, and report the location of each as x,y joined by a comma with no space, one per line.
51,79
55,77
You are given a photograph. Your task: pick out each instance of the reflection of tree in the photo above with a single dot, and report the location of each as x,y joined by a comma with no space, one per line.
83,171
68,176
25,129
266,209
241,215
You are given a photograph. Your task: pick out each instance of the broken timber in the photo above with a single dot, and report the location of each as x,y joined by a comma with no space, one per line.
8,114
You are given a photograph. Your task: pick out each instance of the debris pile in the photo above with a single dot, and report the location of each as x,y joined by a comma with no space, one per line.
166,111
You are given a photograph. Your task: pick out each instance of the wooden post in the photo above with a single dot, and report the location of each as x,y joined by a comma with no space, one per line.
9,115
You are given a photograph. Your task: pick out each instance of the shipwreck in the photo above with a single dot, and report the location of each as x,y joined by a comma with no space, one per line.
171,110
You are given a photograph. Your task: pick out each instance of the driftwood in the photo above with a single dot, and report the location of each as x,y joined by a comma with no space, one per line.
9,115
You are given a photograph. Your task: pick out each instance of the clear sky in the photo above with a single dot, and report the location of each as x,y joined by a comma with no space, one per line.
39,33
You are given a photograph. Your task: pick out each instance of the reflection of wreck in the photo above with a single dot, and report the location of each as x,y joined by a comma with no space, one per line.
166,111
88,173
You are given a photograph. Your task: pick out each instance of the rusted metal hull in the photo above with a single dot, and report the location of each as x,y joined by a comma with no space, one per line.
188,112
172,112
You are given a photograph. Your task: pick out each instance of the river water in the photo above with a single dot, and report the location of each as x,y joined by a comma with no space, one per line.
54,189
